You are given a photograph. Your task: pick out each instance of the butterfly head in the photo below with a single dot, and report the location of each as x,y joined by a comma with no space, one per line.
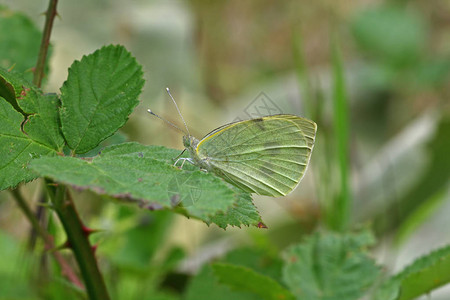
189,141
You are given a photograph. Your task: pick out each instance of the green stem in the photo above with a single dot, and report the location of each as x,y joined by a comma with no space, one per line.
28,213
301,69
42,56
78,241
342,205
66,269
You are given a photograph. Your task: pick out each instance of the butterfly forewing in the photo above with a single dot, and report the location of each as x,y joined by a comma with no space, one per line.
267,156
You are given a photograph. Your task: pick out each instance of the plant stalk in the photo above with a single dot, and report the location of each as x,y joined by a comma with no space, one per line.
78,241
43,50
66,269
343,202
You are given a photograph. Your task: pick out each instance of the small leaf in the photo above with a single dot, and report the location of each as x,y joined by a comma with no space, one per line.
243,212
421,277
43,125
16,148
329,266
144,174
245,279
99,94
40,111
14,89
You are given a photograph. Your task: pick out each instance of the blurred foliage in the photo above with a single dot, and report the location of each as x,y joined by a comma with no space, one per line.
20,42
217,56
419,278
391,34
330,266
433,180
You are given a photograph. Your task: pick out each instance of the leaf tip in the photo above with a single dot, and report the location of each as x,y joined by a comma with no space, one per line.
262,225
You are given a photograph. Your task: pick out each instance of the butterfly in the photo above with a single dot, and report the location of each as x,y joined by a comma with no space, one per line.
266,156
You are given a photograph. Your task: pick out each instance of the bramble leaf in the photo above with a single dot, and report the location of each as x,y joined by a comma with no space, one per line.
40,112
16,148
243,212
28,127
99,94
422,276
329,266
143,174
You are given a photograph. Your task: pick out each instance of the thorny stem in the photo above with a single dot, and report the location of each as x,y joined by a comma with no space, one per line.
76,235
77,238
43,50
66,269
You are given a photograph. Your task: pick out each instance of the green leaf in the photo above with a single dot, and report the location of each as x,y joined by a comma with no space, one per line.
16,148
14,89
7,91
43,126
205,286
245,279
422,276
41,111
243,212
99,94
117,138
144,174
330,266
19,42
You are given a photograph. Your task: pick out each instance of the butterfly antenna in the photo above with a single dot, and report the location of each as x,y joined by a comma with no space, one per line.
167,121
185,125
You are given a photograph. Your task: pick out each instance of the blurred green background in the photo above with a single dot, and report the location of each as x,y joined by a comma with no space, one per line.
228,60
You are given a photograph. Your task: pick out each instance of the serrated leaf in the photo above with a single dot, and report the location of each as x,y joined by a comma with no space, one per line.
99,94
422,276
19,42
329,266
14,88
117,138
243,212
144,174
43,126
245,279
40,111
16,148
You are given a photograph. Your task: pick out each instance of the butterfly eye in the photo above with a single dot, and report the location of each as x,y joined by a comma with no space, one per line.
186,141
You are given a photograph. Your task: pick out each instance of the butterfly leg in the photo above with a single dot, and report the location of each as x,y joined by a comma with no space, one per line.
184,159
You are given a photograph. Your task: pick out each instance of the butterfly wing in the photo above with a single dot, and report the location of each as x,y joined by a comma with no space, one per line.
266,156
